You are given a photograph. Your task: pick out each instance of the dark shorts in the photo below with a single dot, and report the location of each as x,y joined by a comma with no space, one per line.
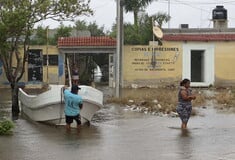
69,119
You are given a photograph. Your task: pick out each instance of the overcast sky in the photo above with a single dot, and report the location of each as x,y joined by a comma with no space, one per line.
196,13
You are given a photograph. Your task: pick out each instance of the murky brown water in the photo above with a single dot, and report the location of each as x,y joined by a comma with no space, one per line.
119,134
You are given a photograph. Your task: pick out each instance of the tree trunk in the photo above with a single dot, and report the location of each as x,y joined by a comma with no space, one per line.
15,102
136,21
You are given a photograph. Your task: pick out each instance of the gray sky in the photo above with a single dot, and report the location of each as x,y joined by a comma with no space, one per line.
196,13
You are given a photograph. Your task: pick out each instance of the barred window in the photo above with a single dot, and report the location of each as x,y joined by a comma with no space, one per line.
52,60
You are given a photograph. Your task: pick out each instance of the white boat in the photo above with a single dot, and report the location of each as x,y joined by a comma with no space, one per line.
49,106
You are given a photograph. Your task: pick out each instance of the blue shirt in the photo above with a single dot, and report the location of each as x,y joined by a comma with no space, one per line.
72,102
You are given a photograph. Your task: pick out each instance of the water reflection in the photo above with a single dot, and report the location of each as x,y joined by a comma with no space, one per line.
185,133
119,134
185,144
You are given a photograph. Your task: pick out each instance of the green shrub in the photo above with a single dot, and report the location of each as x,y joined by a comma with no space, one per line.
6,127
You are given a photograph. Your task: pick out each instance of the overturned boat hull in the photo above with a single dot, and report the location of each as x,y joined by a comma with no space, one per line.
48,106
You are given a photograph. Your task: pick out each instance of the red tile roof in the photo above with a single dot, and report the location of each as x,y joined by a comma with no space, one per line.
199,37
86,41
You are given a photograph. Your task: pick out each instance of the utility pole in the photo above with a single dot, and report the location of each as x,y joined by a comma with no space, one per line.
118,77
169,11
47,28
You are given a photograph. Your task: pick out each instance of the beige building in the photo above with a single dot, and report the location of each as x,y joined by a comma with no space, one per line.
48,64
205,56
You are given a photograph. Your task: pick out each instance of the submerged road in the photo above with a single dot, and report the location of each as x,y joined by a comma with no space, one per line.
119,134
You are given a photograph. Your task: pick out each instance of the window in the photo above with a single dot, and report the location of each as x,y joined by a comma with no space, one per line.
52,59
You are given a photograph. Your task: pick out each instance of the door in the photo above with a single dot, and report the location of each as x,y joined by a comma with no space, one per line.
198,63
197,66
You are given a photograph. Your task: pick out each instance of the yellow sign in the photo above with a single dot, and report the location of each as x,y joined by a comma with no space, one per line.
147,62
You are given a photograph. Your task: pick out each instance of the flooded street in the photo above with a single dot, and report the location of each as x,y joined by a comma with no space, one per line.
120,134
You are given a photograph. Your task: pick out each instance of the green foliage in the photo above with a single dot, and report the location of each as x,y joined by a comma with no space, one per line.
17,20
145,29
81,25
135,6
40,37
62,31
113,32
161,18
94,29
87,71
141,31
131,35
143,34
131,5
6,127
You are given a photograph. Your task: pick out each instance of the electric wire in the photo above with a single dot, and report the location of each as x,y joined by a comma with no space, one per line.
197,5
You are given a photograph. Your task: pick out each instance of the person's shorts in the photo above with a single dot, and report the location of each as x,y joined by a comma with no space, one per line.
69,119
75,77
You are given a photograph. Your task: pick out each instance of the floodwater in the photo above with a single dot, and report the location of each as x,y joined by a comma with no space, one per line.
119,134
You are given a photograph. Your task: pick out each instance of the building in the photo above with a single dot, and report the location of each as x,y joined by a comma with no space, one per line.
49,64
205,56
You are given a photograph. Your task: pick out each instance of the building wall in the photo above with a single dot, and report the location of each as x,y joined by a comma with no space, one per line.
224,63
139,70
53,76
53,70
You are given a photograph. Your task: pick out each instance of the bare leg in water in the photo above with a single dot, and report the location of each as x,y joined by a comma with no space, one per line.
78,127
184,125
68,127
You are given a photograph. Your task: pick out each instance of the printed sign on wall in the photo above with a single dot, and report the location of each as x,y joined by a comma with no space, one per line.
151,62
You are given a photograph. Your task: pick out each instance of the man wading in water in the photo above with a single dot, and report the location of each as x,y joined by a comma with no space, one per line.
184,107
73,105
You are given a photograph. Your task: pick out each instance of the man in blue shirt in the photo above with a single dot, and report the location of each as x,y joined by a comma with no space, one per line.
73,105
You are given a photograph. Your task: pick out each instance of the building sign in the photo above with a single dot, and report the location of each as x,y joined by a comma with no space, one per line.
151,62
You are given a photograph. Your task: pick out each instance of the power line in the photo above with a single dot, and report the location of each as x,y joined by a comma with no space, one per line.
186,4
192,4
198,3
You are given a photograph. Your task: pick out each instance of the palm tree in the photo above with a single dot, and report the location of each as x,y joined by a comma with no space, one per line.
135,6
146,25
161,18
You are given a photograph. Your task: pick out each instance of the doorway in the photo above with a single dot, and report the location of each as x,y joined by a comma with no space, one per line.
197,66
198,63
91,67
